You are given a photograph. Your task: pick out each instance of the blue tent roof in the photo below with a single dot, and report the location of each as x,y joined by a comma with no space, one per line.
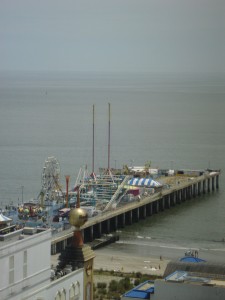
144,182
142,291
192,259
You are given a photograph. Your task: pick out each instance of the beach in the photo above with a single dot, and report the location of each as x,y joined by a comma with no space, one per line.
151,259
129,263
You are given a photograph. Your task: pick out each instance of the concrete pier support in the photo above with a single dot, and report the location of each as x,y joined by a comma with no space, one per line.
188,192
135,215
150,209
115,223
172,199
199,188
167,201
204,186
213,183
91,233
194,189
108,226
122,220
178,197
157,206
98,227
217,181
143,214
129,217
162,203
208,185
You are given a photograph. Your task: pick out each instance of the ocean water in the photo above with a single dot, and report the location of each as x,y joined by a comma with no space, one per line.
172,120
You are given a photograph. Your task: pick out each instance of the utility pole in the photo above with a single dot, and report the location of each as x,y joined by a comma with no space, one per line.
22,187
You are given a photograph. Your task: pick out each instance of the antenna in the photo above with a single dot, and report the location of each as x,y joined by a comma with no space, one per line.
109,141
93,142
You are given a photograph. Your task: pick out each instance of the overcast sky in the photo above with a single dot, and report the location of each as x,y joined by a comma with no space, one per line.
113,35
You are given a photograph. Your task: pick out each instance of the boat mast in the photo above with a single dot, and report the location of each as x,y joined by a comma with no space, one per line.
93,142
109,142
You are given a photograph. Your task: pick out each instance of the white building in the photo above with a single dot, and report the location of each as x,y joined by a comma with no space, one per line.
25,262
187,286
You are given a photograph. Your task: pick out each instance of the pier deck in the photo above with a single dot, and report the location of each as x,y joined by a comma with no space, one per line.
178,189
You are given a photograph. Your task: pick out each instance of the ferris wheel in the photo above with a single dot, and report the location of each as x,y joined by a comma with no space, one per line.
50,178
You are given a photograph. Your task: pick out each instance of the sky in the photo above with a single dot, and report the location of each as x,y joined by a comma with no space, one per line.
112,35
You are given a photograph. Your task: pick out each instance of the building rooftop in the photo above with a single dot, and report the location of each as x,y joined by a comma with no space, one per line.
196,278
142,291
10,234
205,268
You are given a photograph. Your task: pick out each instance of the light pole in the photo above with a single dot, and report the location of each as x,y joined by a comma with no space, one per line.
115,164
131,162
67,189
22,187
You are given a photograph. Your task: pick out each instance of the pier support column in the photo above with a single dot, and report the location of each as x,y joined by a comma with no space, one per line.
108,226
188,192
123,220
203,186
208,185
172,199
91,233
217,181
157,206
137,214
183,194
129,219
175,198
178,197
213,183
99,230
167,203
144,212
199,188
191,191
116,222
150,209
163,203
194,188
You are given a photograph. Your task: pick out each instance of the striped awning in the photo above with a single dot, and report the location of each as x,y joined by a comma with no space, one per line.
144,182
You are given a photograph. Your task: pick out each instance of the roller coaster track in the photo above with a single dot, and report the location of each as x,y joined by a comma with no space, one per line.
115,196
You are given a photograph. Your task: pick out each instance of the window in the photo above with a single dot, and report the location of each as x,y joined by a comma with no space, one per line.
24,264
58,296
77,290
11,269
72,292
63,294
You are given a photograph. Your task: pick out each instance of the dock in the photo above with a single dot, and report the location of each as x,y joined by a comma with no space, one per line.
179,190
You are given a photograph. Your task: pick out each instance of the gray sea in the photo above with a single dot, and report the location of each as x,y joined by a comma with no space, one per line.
172,120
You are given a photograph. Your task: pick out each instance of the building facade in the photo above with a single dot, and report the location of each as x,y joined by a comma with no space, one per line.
26,273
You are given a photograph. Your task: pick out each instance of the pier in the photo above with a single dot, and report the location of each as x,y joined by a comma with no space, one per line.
145,206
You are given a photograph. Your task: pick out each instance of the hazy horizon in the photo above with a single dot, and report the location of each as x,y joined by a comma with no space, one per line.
113,36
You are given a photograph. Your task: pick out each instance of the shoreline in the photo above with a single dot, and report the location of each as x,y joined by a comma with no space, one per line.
129,263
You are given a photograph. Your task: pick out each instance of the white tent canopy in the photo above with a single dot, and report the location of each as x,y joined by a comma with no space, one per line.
4,219
144,182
